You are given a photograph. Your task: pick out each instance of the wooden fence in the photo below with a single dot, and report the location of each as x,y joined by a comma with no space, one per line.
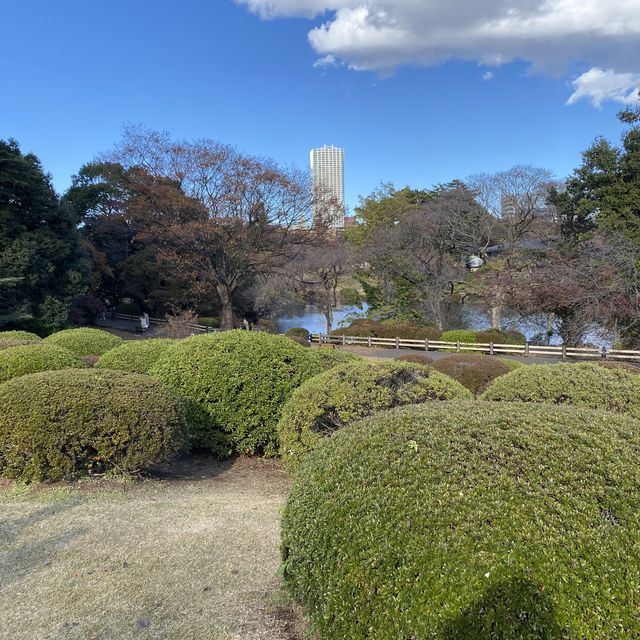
489,348
198,328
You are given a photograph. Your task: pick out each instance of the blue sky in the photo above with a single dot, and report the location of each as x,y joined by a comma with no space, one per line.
73,72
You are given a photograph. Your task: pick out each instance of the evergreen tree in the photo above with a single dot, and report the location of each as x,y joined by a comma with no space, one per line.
42,269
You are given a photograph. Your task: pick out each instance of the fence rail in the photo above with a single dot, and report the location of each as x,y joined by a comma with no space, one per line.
490,348
201,328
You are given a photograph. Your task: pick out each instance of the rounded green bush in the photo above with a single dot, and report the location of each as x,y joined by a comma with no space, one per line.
584,384
297,332
497,336
31,358
85,341
470,521
20,335
459,335
235,384
344,394
475,372
8,344
60,424
136,356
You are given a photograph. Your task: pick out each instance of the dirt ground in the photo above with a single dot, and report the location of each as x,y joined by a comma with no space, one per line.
191,552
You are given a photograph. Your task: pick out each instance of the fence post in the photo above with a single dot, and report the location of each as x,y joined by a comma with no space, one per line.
369,341
564,352
344,339
604,353
397,343
458,346
491,348
426,344
526,349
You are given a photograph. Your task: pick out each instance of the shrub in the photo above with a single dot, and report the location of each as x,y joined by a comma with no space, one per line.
298,332
612,364
7,344
459,335
206,321
85,341
31,358
235,384
388,329
128,309
475,372
136,356
60,424
20,335
86,309
498,336
512,364
346,393
415,358
585,384
469,521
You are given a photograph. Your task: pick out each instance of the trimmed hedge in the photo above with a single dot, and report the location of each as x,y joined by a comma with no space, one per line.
469,521
60,424
20,335
352,391
85,341
298,332
8,344
136,356
459,335
31,358
235,384
497,336
388,329
475,372
584,384
298,340
612,364
415,358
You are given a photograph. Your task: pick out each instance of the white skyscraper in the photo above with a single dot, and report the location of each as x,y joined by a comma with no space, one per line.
327,175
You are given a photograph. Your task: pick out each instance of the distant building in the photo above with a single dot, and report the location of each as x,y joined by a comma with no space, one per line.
327,176
349,221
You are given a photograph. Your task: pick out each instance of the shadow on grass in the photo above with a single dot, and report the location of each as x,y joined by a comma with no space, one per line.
514,608
17,558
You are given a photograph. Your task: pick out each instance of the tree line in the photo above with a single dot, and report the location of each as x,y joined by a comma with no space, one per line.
197,225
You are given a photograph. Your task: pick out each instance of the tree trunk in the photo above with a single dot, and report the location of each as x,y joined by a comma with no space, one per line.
328,314
495,312
226,314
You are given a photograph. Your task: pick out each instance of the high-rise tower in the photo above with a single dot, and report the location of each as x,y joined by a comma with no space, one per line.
327,176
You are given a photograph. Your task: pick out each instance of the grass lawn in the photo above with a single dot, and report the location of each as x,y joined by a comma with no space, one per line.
189,554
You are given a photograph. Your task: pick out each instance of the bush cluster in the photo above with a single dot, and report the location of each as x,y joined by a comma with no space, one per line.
136,356
85,341
297,332
8,344
31,358
475,372
584,384
61,424
459,335
20,335
235,385
344,394
469,520
497,336
388,329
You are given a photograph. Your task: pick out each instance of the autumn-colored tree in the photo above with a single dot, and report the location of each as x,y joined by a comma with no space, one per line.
220,219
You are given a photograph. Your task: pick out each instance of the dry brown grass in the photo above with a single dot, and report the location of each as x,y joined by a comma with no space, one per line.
190,554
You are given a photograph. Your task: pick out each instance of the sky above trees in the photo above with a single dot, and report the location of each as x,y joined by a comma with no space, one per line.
417,92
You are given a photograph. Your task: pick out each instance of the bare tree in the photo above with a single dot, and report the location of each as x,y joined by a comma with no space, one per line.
244,213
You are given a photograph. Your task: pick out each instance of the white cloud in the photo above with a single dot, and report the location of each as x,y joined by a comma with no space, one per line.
551,35
487,75
599,85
